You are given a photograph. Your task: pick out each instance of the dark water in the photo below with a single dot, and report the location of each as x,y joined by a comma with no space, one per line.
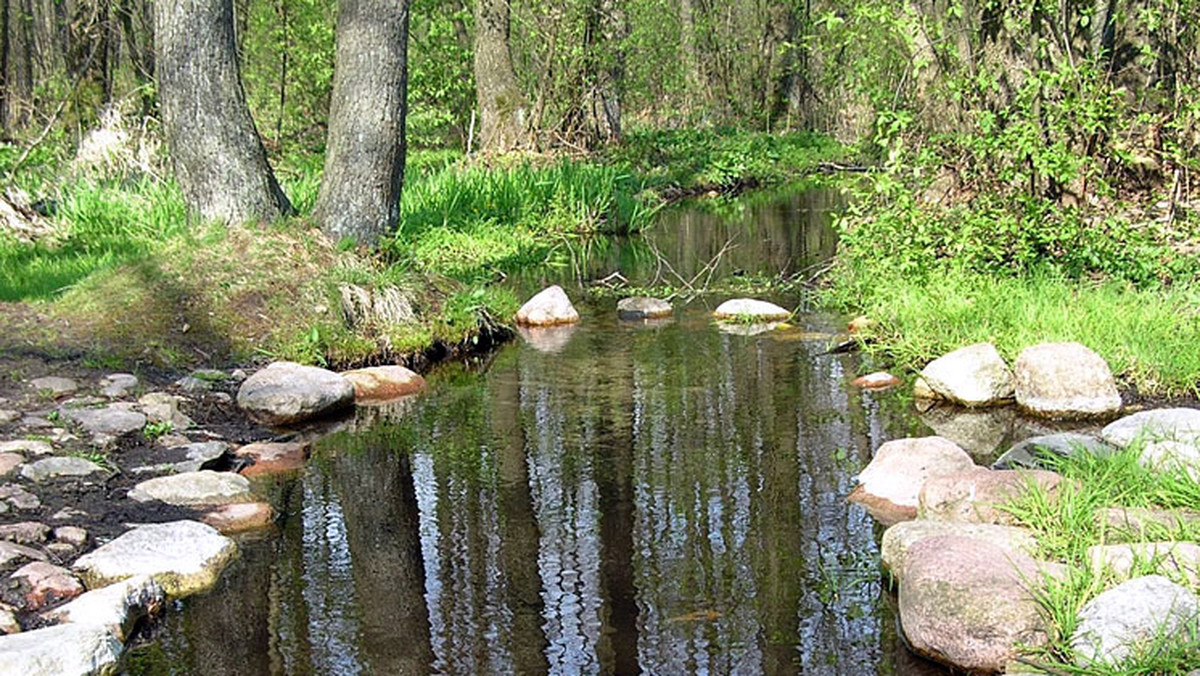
614,498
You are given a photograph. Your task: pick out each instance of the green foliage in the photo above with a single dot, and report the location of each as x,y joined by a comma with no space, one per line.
154,430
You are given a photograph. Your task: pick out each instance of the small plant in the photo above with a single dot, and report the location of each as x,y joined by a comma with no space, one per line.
55,417
154,430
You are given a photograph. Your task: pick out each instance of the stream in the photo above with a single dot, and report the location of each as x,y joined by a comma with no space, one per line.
611,498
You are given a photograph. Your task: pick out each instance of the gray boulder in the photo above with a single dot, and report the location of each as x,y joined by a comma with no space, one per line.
1065,381
549,307
641,307
112,421
1171,437
63,650
970,604
117,385
1115,625
1066,444
55,385
751,310
61,467
184,557
974,376
116,608
285,393
890,485
204,487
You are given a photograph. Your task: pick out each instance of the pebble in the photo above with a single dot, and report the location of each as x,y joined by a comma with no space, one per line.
25,533
8,463
71,535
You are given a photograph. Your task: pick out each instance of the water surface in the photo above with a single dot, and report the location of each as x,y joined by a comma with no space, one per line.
612,498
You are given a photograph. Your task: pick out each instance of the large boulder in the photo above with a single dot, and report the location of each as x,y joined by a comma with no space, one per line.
116,608
204,487
380,383
63,650
898,539
1170,437
1180,560
549,307
968,603
1065,381
974,375
640,307
285,393
184,557
980,495
1026,453
890,485
1130,617
750,310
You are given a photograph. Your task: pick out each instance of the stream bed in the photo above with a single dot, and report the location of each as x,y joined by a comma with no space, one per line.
611,498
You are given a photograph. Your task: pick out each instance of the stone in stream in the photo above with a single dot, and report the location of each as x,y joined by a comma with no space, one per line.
641,307
55,385
898,539
62,467
240,517
880,380
285,393
750,310
116,608
1065,381
43,584
972,376
184,557
979,495
117,385
1025,454
273,458
1171,437
379,383
111,421
890,485
204,487
968,603
1115,625
63,650
549,307
1173,559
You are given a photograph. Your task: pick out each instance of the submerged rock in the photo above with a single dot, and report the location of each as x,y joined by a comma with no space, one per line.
380,383
880,380
184,557
62,650
1065,381
967,602
890,485
285,393
898,539
641,307
549,307
973,376
1066,444
750,310
204,487
1115,625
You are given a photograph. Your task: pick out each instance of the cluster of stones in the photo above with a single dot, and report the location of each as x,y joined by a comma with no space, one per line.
84,603
969,578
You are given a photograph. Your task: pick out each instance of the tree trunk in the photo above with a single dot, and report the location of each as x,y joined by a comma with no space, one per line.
605,59
364,163
692,83
216,151
502,109
794,90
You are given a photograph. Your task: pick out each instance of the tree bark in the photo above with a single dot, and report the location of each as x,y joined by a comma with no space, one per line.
692,82
503,112
603,34
218,156
364,163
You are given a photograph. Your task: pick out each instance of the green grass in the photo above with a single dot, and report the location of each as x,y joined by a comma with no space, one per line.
1066,526
1147,335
